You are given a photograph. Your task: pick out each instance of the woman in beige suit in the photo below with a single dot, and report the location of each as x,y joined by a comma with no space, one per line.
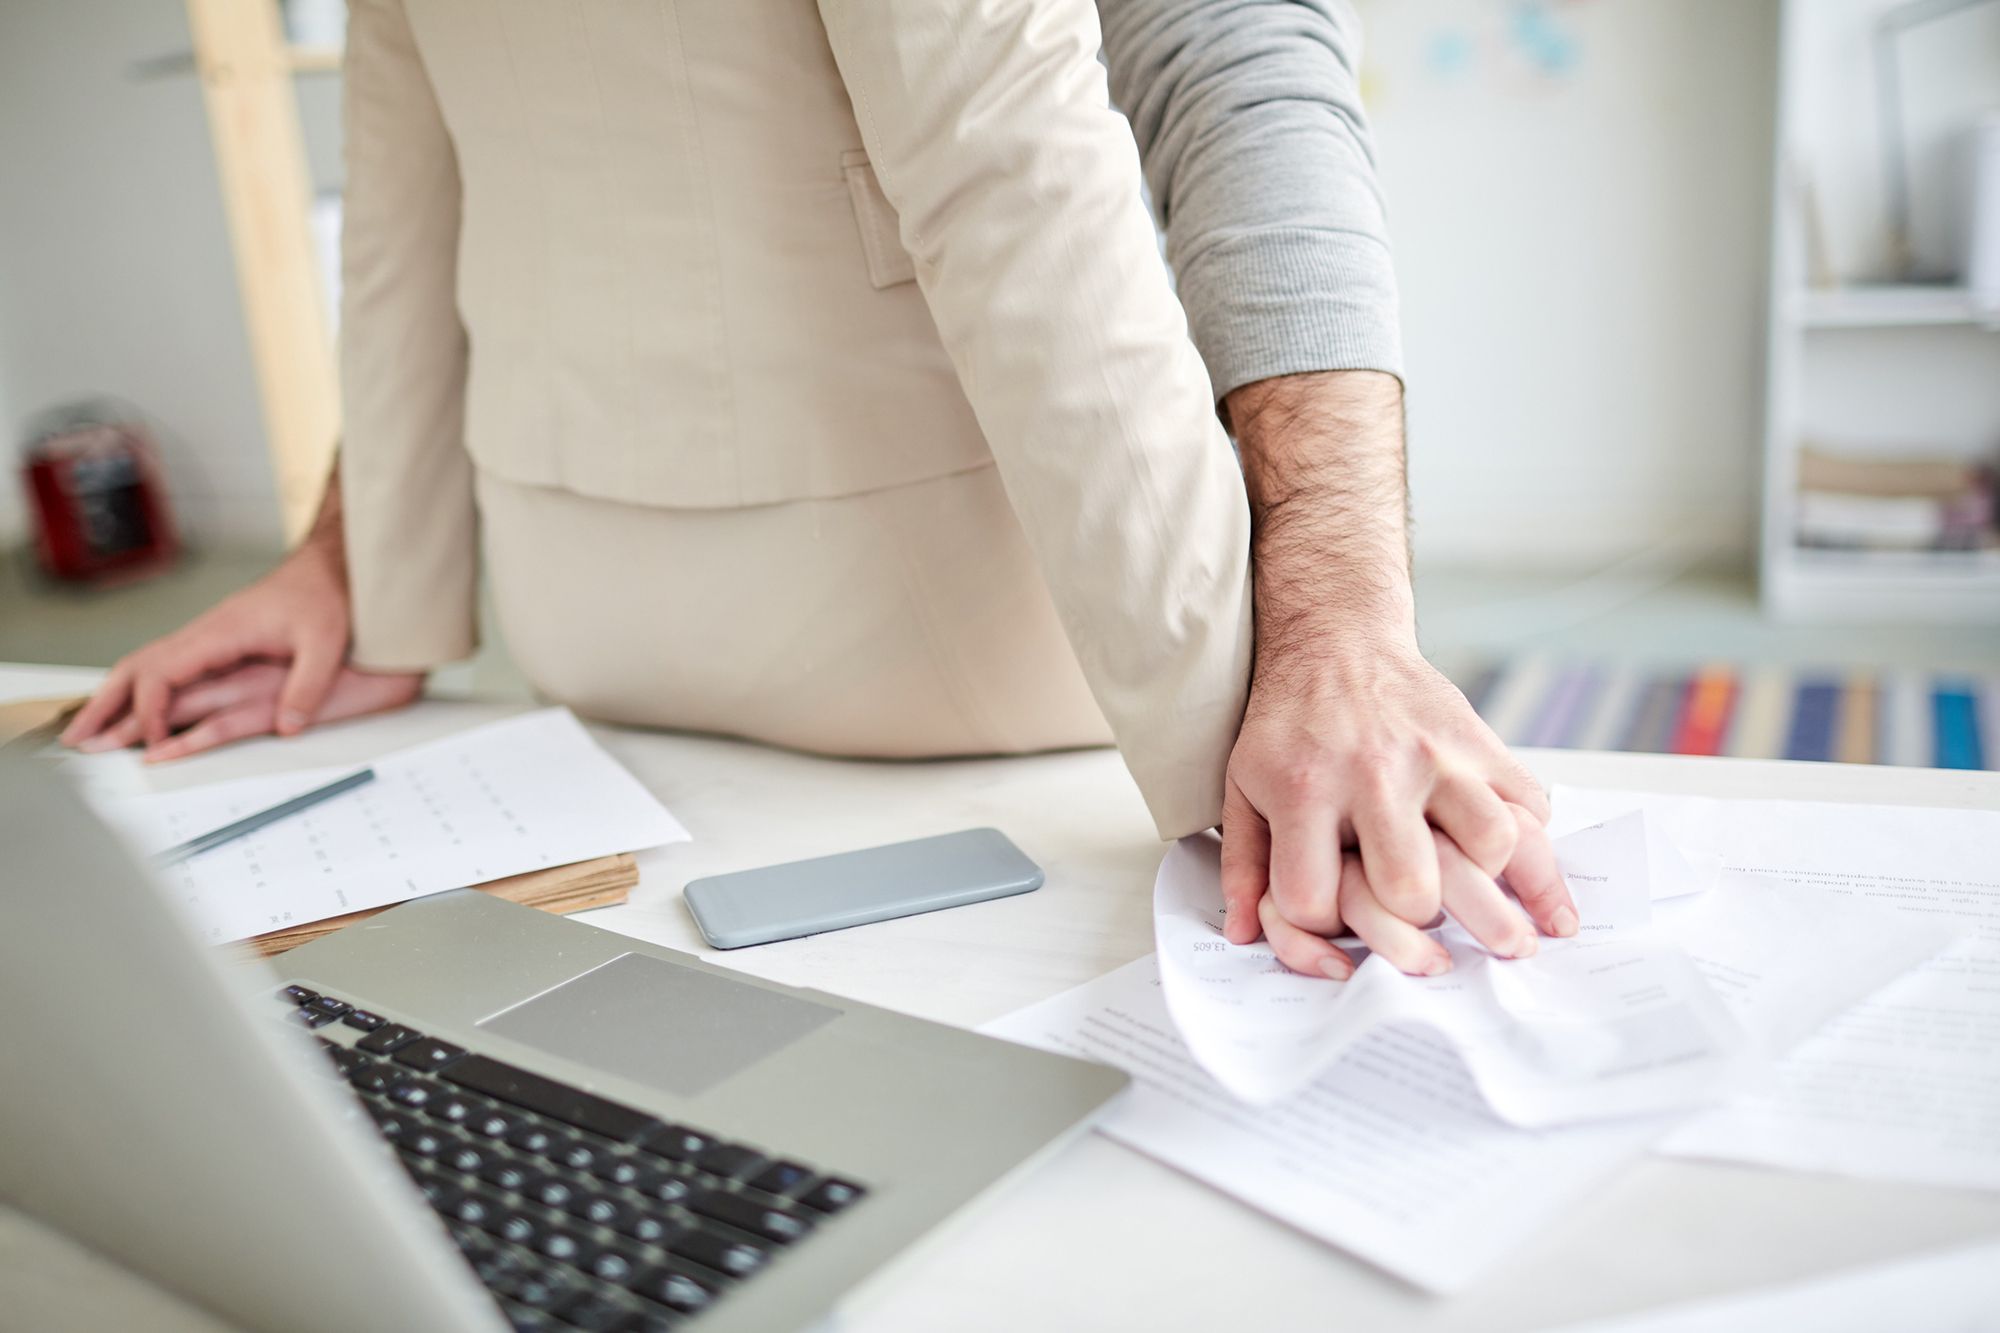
810,374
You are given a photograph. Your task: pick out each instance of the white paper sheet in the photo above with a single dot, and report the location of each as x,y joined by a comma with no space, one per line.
1392,1152
1615,1022
1905,1085
516,795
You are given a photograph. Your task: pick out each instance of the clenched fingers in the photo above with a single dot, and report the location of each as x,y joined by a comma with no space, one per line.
1535,880
1478,822
1302,950
1305,865
1246,863
1475,900
1407,948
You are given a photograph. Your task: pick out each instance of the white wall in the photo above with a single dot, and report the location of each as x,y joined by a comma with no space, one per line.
1578,196
115,269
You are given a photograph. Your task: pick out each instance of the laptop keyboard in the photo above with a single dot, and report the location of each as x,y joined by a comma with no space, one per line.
577,1212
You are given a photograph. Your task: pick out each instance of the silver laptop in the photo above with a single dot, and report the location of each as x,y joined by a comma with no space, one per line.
466,1115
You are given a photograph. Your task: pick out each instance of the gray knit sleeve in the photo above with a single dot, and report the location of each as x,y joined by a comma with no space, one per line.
1249,122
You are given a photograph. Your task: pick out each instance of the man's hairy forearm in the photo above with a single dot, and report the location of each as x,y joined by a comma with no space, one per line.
1324,466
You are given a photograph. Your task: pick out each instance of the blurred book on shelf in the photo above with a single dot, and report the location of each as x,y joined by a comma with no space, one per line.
1904,503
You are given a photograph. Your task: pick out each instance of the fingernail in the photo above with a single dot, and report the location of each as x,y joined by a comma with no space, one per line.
95,745
1337,968
1563,922
291,720
1439,964
1526,947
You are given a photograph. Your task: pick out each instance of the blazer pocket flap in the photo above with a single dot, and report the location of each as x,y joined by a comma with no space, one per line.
881,235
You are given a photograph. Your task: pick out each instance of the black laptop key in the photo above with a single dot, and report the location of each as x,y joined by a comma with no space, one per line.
326,1004
299,994
561,1244
831,1195
664,1185
363,1021
424,1143
673,1286
527,1319
534,1138
604,1210
464,1157
590,1312
676,1143
452,1109
619,1170
311,1017
386,1039
345,1059
781,1177
649,1323
494,1124
372,1077
505,1173
766,1220
530,1091
729,1160
615,1262
411,1093
466,1208
550,1191
510,1224
578,1155
427,1053
654,1228
738,1258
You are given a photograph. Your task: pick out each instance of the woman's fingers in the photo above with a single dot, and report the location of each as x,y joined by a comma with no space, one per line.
1533,876
104,706
259,680
1407,948
231,724
123,732
1301,950
1476,901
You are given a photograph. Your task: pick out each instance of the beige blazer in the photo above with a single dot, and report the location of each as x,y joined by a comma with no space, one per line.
709,254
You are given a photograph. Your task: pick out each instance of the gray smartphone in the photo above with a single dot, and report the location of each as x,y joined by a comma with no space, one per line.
783,902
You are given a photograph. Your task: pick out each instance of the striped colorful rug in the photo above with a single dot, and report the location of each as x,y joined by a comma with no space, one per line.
1912,718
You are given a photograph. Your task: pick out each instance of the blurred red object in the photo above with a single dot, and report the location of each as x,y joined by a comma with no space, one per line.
100,506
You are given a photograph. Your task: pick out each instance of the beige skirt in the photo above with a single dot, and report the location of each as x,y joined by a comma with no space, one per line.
898,623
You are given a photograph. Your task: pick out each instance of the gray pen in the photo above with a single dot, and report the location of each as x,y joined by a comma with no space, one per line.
251,823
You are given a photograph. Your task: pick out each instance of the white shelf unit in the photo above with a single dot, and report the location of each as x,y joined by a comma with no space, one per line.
1876,367
1887,305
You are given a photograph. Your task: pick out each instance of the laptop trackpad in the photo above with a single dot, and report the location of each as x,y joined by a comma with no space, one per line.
681,1030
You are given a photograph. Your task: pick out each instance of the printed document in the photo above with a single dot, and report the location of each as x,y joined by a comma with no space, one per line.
1906,1084
1392,1151
520,794
1617,1021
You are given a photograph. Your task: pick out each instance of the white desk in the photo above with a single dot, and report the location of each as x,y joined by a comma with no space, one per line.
1101,1237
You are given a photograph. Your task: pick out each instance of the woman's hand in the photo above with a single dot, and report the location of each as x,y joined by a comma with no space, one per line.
271,658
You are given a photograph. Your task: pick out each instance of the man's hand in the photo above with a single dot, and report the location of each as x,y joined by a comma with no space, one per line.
1385,756
271,658
1363,790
